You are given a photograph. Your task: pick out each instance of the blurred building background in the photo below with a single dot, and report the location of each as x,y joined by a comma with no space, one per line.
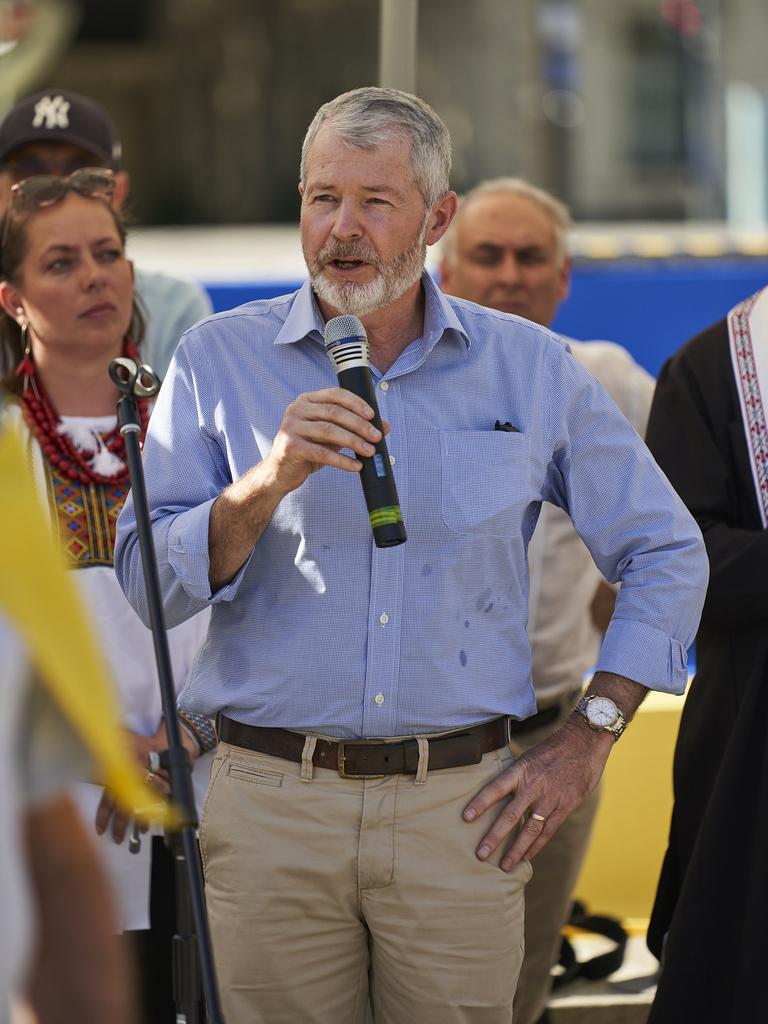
639,110
649,117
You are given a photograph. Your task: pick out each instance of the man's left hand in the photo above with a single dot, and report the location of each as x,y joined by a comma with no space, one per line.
545,784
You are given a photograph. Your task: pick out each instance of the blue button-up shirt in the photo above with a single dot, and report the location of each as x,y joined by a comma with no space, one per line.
320,630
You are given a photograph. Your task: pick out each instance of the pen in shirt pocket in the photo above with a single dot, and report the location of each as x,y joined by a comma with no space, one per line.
506,427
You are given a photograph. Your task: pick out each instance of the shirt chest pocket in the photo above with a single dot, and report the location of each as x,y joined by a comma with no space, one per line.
485,481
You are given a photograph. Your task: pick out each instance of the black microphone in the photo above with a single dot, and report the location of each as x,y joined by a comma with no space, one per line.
347,346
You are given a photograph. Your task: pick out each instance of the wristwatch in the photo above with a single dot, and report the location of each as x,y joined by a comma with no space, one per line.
602,714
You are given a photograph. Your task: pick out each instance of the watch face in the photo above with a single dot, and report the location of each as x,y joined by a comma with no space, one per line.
602,712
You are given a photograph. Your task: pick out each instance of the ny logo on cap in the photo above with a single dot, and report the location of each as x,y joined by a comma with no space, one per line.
53,111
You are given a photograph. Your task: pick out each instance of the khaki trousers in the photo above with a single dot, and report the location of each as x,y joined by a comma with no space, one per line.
318,888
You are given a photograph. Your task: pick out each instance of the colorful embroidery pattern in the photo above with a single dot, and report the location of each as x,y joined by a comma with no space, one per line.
750,397
85,518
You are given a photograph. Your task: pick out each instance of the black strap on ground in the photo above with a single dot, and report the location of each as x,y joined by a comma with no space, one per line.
598,967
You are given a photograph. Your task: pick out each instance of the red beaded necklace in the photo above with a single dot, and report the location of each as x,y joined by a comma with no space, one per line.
58,449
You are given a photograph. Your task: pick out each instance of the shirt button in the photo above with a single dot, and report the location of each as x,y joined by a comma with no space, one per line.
384,385
383,618
379,698
392,460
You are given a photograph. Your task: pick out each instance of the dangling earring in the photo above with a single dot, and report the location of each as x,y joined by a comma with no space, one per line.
26,367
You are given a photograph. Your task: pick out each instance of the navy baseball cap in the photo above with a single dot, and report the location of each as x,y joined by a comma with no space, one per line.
58,115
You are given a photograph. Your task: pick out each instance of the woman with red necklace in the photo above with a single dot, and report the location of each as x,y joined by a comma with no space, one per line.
66,289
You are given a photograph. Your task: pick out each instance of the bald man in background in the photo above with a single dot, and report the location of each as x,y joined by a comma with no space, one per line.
507,249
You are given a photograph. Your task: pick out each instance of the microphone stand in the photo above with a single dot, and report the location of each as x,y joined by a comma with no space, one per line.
193,964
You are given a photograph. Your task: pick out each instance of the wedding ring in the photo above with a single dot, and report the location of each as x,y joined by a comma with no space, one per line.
538,817
149,778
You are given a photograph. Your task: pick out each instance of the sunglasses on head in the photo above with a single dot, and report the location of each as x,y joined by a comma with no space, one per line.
43,190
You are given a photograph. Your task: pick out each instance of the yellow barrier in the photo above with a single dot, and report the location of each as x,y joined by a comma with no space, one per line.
630,836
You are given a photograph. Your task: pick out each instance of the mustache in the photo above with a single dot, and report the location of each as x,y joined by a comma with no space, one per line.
348,251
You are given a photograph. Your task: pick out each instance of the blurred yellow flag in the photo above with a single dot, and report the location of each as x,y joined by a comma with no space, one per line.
41,601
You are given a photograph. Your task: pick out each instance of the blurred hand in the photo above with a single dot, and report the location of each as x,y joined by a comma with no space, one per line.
108,814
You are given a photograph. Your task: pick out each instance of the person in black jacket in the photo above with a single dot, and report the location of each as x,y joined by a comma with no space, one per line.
707,431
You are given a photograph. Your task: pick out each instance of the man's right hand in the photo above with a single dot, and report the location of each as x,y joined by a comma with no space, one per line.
314,429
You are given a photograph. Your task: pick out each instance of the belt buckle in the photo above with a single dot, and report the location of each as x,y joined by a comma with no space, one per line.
341,746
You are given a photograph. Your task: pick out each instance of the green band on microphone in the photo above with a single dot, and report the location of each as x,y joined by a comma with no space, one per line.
388,514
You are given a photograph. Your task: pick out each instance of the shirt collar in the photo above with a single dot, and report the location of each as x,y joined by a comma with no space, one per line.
304,317
439,316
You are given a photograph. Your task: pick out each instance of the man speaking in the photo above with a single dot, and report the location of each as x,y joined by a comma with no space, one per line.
366,819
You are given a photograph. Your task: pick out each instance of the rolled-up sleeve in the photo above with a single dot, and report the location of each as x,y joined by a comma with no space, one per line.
187,542
636,527
645,654
185,471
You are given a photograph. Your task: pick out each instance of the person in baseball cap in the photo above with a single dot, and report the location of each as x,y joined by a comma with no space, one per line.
63,117
57,131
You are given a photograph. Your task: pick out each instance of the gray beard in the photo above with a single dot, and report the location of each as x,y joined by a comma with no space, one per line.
394,278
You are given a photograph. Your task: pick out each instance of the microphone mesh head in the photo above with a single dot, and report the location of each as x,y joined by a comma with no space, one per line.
343,328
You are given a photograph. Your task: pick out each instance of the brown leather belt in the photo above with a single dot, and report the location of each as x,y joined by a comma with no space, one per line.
362,759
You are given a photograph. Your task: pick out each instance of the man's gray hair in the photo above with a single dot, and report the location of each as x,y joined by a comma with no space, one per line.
556,211
366,118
